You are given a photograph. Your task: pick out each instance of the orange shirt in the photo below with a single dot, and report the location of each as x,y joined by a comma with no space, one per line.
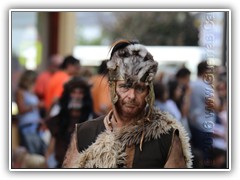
54,88
41,84
100,94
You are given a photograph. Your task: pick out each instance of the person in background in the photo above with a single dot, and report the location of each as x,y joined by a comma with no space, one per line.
68,69
161,95
220,140
133,134
29,119
75,107
43,78
183,78
100,91
21,158
175,95
175,92
162,101
202,114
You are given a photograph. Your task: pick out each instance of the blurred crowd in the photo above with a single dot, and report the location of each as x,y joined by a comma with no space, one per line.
50,102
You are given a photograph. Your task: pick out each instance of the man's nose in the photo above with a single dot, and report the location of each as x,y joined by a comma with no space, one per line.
131,93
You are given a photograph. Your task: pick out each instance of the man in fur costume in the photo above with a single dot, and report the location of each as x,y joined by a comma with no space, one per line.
133,134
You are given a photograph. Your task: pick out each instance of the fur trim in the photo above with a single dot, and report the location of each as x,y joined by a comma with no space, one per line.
108,149
106,152
161,124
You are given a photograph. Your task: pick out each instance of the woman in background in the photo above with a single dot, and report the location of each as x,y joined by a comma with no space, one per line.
29,119
75,106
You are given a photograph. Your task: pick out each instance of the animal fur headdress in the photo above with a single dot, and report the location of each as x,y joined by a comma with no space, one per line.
130,61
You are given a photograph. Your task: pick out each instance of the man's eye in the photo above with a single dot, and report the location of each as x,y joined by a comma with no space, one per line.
140,89
123,86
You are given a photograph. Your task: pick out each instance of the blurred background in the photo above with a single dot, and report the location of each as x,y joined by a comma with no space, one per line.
37,35
176,39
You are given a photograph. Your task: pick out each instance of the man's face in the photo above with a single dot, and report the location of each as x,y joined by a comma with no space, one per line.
184,80
77,93
131,101
74,69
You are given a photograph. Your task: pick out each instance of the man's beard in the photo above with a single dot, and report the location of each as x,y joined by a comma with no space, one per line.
130,109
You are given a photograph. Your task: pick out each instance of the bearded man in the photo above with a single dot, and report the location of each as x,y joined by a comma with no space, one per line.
133,134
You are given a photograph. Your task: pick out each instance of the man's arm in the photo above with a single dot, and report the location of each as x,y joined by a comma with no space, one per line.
71,156
176,158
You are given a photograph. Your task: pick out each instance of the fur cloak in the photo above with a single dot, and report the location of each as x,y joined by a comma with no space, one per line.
108,151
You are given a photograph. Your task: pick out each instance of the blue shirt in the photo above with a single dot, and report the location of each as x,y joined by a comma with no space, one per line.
33,116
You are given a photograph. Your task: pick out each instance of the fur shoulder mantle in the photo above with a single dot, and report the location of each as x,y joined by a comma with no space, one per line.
108,151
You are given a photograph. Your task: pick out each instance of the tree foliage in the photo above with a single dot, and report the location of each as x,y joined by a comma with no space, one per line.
154,28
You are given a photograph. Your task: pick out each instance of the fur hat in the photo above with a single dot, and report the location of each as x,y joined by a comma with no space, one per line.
131,62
